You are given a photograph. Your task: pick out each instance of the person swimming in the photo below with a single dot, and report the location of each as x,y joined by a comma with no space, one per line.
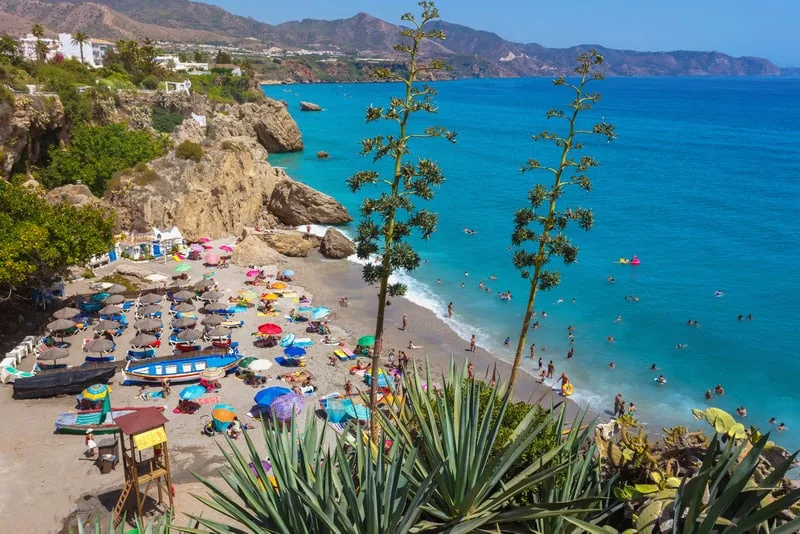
507,341
719,293
661,379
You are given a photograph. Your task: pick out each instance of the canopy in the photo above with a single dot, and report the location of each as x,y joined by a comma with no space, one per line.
288,272
212,259
114,299
143,340
184,322
226,248
213,373
155,277
110,310
190,335
294,352
147,324
106,325
151,298
213,320
366,341
54,353
319,313
66,313
116,288
183,294
183,307
60,324
99,345
285,406
212,296
252,273
192,392
204,284
267,396
270,329
96,392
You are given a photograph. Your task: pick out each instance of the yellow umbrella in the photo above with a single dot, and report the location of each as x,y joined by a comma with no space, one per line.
278,285
248,294
96,392
269,296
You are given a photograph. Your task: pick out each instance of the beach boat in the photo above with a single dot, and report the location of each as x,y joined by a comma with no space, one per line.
80,421
179,369
96,358
60,382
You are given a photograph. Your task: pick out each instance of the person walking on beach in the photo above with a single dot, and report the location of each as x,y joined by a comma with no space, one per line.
472,343
617,402
405,322
551,369
91,444
540,363
450,310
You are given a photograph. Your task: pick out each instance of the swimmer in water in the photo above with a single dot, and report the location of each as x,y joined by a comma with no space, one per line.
708,394
772,420
466,273
680,346
719,390
781,427
718,293
611,280
493,277
661,379
544,315
612,365
559,301
618,319
507,341
632,409
610,339
653,367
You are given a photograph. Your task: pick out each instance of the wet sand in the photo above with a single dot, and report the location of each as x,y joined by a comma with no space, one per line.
46,478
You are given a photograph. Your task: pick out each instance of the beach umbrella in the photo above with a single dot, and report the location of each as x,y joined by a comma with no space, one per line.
319,313
285,406
66,313
183,294
366,341
269,296
150,309
219,331
288,272
248,294
60,324
96,392
208,246
216,307
150,298
54,353
337,410
192,392
270,329
244,362
114,299
190,335
100,297
223,415
294,352
110,310
106,325
226,248
213,373
99,345
202,285
213,320
204,240
148,324
264,464
155,277
267,396
184,322
252,273
143,340
183,307
278,285
211,259
196,248
116,288
211,296
259,365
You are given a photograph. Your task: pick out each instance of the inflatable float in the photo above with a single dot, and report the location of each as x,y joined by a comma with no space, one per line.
567,389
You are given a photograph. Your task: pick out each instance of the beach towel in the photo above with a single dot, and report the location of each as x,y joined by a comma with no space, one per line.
88,419
209,400
268,314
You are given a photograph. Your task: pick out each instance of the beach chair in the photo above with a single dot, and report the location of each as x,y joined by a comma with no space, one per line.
9,374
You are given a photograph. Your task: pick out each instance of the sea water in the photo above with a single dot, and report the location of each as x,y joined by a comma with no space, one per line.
703,184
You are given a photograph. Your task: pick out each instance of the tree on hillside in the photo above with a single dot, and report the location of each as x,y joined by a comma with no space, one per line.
79,39
37,31
39,241
9,48
223,58
549,241
382,231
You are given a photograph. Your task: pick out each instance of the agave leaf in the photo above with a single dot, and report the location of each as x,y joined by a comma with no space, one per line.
646,489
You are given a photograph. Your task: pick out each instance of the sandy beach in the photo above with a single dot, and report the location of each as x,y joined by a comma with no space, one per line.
39,466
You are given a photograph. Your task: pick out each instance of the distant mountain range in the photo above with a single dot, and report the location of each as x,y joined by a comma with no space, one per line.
471,53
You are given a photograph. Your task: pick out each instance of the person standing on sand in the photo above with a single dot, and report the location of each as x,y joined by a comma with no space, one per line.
533,352
617,402
405,322
551,369
540,363
91,444
450,310
472,343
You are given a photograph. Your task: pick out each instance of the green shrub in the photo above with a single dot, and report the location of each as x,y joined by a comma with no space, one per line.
164,121
189,150
118,81
121,280
151,82
88,274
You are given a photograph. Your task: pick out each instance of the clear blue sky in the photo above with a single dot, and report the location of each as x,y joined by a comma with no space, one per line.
766,28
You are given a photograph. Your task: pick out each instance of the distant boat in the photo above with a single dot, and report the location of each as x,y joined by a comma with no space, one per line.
80,421
178,369
60,382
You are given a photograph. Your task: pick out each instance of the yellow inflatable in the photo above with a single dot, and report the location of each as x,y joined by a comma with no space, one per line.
567,389
623,260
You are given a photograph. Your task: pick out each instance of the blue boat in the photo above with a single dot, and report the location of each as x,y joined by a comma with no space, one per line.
178,370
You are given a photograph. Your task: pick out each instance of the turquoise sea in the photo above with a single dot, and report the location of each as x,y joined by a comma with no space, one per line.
703,185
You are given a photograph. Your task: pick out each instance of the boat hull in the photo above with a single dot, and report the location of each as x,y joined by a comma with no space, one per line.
178,370
61,382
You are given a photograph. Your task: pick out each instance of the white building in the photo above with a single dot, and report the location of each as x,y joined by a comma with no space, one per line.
99,49
94,50
175,64
27,46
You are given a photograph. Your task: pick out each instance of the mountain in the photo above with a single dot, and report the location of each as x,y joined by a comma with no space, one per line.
471,53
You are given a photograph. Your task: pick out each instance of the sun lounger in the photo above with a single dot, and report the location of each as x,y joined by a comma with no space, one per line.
10,374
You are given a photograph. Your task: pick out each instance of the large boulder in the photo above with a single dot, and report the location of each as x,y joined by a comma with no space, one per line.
335,245
309,106
189,130
73,194
297,204
268,121
292,244
28,126
253,250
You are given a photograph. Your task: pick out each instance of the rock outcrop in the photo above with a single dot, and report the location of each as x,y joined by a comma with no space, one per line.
295,204
309,106
322,155
28,127
215,197
73,194
269,121
335,245
293,244
253,250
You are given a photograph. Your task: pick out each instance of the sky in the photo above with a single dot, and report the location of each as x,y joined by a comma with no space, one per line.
764,28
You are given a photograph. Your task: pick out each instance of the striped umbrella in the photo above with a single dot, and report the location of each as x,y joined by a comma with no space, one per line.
213,373
96,392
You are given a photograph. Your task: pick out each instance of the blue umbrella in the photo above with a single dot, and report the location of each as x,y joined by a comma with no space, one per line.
288,272
192,392
100,297
337,410
294,351
319,313
265,397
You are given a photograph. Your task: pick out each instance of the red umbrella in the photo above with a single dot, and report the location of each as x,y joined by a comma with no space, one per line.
211,259
204,240
270,328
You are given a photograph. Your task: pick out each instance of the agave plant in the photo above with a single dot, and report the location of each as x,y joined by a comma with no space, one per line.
163,525
473,491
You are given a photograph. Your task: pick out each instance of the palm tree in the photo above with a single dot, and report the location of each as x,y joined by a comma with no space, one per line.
42,49
79,39
37,30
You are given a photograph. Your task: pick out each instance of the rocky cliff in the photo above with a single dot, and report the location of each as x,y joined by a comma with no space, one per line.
27,128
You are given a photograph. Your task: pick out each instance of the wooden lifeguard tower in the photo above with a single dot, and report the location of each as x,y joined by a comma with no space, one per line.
144,429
